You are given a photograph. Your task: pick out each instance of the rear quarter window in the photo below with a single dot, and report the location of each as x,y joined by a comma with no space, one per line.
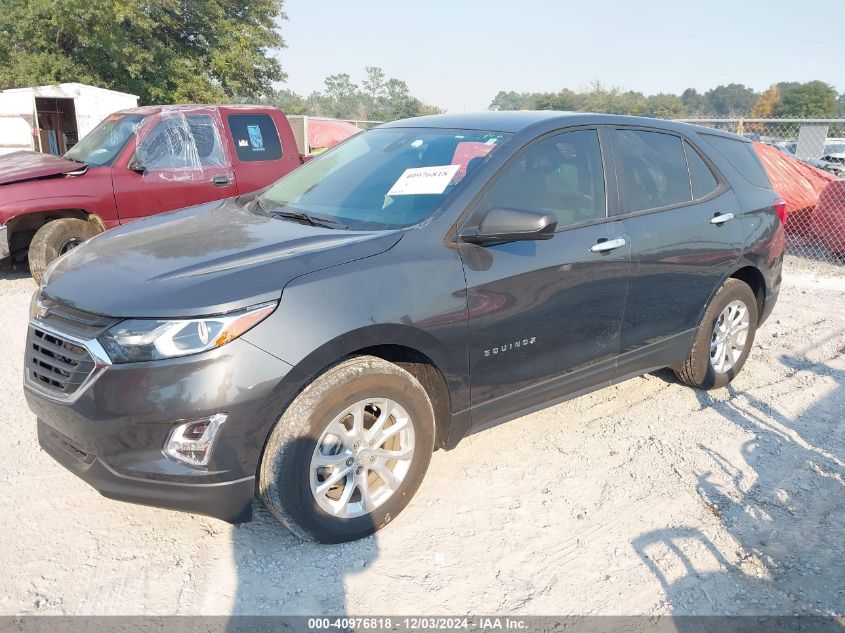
255,137
742,156
703,181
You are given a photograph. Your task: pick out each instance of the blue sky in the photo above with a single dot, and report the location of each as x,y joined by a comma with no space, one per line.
459,54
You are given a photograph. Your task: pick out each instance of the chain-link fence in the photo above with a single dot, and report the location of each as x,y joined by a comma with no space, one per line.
805,160
304,128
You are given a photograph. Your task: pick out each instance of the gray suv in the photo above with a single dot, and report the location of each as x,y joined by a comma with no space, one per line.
314,343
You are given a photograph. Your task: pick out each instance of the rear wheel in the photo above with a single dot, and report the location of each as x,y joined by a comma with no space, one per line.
56,238
349,452
723,339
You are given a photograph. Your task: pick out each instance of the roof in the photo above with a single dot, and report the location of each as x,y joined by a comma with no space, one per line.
193,107
518,120
66,86
511,121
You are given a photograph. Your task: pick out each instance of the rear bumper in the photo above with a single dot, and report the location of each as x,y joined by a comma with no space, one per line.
230,501
4,242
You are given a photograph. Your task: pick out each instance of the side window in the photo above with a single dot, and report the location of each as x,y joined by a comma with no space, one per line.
182,142
562,175
652,170
702,179
255,137
741,155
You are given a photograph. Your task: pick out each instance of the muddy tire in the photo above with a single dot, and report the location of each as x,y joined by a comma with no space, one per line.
56,238
723,339
349,452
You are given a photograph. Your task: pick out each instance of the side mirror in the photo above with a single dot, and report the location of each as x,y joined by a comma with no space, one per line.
136,165
509,225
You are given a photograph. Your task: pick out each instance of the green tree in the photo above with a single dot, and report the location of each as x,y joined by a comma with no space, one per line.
512,101
665,106
695,103
165,51
287,101
378,98
613,101
730,100
813,100
566,100
339,99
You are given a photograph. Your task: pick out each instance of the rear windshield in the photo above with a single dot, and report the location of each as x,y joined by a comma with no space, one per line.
102,144
383,179
743,156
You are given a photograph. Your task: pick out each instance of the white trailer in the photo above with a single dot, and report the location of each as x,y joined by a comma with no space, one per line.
51,119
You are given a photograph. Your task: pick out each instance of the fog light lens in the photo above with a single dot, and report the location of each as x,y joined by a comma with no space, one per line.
191,442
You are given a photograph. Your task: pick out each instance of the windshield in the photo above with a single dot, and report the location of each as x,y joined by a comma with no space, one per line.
834,148
102,144
382,179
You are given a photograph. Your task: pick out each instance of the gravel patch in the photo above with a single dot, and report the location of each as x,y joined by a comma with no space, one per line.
643,498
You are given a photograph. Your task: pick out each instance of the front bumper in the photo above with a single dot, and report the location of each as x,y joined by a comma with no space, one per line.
230,501
112,433
5,251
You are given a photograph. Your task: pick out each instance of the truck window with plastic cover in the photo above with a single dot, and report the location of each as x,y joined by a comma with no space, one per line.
182,146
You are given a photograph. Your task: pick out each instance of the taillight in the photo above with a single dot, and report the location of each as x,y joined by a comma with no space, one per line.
779,206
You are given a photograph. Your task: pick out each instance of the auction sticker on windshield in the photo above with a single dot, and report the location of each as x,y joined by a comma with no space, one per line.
424,180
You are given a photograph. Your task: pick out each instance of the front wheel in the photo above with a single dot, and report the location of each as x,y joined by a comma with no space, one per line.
349,452
723,339
56,238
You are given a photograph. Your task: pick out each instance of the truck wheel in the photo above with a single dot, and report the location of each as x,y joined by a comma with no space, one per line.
56,238
349,452
723,339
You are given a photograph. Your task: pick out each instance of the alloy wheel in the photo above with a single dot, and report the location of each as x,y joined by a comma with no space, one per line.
362,457
730,335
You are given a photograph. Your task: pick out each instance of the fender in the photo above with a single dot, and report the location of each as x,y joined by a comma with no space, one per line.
377,302
90,192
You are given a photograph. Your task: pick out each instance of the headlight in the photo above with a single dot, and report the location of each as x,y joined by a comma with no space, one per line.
149,339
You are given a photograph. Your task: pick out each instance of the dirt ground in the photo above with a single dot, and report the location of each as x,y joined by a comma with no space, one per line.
644,498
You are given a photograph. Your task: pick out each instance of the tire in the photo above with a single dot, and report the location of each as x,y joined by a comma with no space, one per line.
56,238
699,369
289,483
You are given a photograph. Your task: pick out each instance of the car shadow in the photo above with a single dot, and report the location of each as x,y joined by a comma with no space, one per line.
278,573
783,505
7,273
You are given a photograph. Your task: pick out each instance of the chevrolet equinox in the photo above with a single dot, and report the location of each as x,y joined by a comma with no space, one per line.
315,342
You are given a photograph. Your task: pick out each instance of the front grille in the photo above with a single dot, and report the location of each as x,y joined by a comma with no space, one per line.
55,363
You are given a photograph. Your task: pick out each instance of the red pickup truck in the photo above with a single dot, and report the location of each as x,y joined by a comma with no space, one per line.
137,163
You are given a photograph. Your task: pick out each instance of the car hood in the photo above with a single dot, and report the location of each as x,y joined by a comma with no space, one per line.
25,165
202,260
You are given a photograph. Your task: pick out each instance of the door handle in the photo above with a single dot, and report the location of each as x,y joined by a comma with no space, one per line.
222,180
721,218
606,246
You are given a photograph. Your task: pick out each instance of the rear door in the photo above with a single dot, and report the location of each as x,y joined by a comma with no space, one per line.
178,163
545,316
685,229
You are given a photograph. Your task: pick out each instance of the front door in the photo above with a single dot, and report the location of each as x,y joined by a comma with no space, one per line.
179,163
545,316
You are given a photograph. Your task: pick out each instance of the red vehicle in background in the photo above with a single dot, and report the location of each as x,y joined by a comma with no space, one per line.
137,163
815,199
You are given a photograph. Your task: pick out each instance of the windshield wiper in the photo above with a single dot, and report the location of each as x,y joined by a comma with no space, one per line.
301,216
297,216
